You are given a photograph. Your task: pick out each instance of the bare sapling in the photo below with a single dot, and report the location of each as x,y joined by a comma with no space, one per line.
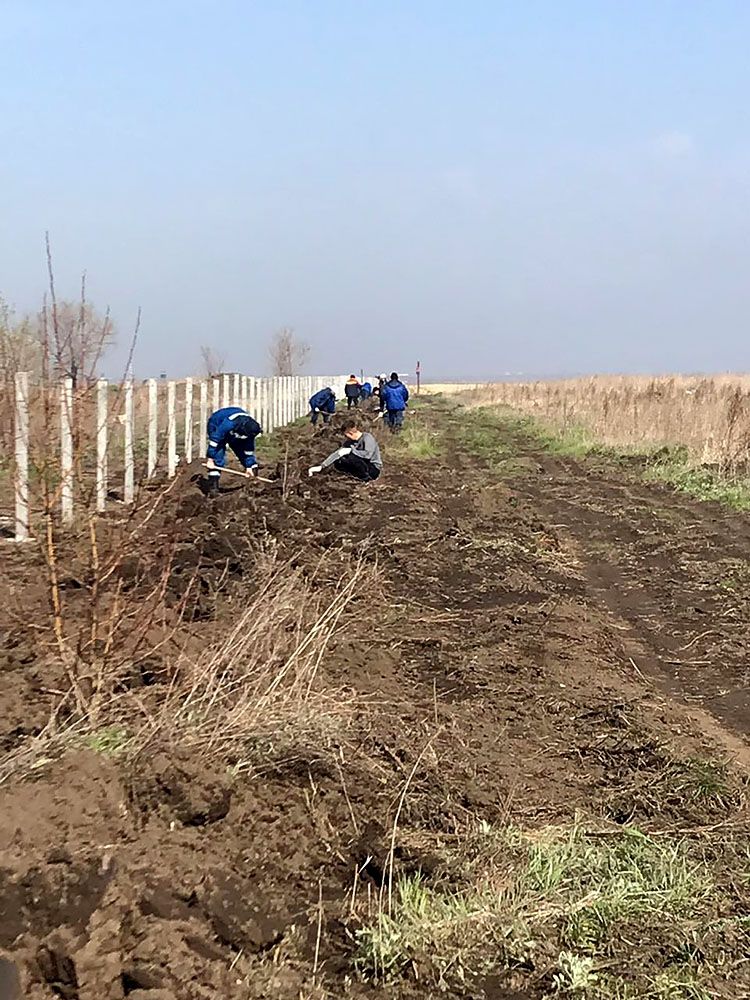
287,353
213,361
96,636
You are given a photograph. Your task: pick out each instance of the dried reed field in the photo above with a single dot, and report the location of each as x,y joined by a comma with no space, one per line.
708,416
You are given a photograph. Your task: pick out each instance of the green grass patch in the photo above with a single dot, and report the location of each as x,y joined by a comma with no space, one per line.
601,884
419,402
110,741
495,433
707,784
416,441
672,467
433,928
275,447
596,915
484,433
737,578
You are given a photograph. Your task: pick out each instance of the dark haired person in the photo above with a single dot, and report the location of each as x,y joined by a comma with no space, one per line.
394,396
378,390
322,402
359,456
230,427
352,390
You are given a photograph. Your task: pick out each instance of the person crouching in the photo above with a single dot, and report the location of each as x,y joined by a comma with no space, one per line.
359,456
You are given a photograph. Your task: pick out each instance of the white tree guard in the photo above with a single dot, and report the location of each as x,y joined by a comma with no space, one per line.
153,427
128,491
171,430
263,404
102,428
202,435
66,450
21,476
188,420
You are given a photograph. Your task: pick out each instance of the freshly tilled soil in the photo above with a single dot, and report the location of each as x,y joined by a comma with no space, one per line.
536,647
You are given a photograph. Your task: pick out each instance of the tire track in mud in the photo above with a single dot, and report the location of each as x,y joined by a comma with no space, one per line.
662,565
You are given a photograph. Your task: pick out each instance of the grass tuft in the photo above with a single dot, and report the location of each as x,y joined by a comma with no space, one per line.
416,441
584,906
110,741
674,468
253,697
575,975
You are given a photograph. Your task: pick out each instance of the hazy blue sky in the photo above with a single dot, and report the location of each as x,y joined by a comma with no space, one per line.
533,185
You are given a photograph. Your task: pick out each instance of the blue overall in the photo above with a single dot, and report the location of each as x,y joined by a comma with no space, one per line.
221,436
394,396
323,401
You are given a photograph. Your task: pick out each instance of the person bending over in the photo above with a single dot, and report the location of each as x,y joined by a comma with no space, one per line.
230,427
359,456
322,403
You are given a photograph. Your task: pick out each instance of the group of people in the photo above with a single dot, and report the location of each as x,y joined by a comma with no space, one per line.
392,395
359,456
356,391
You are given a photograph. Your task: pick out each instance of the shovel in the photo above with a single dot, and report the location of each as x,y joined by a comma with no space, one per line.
233,472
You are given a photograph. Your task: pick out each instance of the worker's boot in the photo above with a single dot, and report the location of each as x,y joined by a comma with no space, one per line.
213,486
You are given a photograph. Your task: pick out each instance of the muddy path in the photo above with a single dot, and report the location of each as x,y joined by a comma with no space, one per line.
482,678
674,573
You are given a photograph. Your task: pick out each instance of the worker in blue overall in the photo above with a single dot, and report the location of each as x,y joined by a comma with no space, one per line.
230,427
394,396
322,403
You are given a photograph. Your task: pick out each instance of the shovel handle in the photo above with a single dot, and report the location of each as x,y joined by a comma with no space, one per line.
233,472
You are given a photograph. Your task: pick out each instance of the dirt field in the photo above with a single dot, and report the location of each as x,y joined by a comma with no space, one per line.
521,774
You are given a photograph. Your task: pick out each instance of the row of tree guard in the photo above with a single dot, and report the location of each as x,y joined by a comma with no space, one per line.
185,407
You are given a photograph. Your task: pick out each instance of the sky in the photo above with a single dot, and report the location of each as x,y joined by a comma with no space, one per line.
486,186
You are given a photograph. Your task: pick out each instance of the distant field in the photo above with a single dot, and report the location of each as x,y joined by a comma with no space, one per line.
448,387
708,416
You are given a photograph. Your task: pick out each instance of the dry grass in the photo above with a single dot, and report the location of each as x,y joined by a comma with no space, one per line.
709,417
256,689
252,695
434,388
